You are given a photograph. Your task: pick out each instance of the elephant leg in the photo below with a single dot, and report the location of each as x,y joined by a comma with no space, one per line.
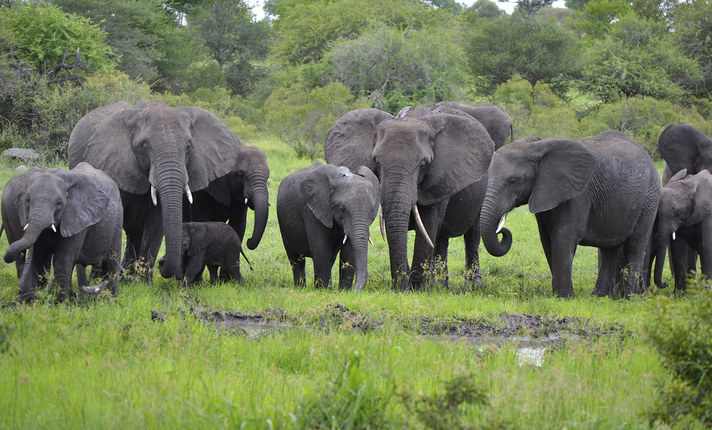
438,262
323,262
432,217
65,257
472,255
679,253
82,279
131,251
194,268
607,263
238,221
213,271
33,268
298,263
232,267
151,241
633,266
347,271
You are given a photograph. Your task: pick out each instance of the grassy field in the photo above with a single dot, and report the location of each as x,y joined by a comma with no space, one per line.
336,359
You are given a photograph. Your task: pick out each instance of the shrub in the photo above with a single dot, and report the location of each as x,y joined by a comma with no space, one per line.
302,118
681,331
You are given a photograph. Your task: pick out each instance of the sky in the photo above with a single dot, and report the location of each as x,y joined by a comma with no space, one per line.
505,6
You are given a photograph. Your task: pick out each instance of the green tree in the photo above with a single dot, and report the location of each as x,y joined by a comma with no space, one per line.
599,15
530,7
636,58
538,50
486,9
693,35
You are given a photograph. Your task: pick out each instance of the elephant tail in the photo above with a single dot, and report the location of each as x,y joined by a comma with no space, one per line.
245,257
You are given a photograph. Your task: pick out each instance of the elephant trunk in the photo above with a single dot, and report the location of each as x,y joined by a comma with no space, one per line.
489,219
397,217
35,226
661,242
260,203
171,185
359,241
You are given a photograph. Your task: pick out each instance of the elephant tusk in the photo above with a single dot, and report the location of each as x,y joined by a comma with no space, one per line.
344,241
154,199
501,223
188,194
245,200
54,229
380,222
370,241
25,227
421,226
674,236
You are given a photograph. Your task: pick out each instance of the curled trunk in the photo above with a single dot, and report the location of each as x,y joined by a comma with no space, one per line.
32,232
260,202
489,220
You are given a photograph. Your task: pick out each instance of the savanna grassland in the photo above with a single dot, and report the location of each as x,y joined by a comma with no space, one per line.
154,358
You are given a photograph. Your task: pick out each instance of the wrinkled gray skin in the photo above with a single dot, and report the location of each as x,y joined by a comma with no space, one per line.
228,197
685,209
317,207
84,207
497,122
684,147
152,145
213,244
601,191
11,222
424,161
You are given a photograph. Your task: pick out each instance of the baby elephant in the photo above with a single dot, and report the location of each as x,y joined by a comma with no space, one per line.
684,221
324,209
68,218
213,244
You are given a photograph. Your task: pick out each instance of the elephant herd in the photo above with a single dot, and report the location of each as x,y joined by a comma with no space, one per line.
445,171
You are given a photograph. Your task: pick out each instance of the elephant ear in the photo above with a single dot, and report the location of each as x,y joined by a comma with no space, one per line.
219,189
679,144
679,175
109,149
564,170
88,195
194,241
316,189
462,151
368,174
351,140
214,151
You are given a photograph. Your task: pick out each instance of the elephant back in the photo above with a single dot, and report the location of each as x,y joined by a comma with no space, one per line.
85,128
351,140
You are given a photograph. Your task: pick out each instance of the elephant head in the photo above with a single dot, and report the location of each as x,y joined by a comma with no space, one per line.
418,160
543,173
685,201
64,202
337,196
247,182
157,148
685,147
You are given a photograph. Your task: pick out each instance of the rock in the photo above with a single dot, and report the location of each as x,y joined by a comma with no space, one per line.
22,154
21,168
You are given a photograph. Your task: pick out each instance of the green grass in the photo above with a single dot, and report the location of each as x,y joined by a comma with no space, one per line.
106,364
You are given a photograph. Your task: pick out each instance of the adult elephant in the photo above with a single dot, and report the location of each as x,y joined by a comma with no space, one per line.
601,191
420,162
497,122
154,153
228,197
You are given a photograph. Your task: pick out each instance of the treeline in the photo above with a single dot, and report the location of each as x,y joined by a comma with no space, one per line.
634,66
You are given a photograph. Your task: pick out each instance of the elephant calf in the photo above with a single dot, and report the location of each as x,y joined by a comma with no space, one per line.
213,244
685,216
69,218
324,209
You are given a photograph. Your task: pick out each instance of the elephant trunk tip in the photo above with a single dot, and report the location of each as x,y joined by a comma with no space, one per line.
503,245
252,243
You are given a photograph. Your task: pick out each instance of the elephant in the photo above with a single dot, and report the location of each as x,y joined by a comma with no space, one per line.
323,210
421,163
600,191
227,198
213,244
11,222
685,215
70,217
154,153
684,147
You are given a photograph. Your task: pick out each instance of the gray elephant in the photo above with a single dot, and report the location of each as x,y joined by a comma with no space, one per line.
685,147
421,163
497,122
324,210
601,191
154,153
213,244
685,216
70,217
228,197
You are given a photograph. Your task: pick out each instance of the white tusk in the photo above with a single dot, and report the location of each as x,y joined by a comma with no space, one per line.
154,199
380,222
245,200
501,223
345,238
25,227
674,236
370,241
421,226
54,229
188,194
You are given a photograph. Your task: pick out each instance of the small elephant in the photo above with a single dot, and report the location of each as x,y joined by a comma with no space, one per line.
685,216
69,217
213,244
601,191
324,209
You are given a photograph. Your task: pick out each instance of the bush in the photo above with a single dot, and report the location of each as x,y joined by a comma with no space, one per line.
681,331
302,118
